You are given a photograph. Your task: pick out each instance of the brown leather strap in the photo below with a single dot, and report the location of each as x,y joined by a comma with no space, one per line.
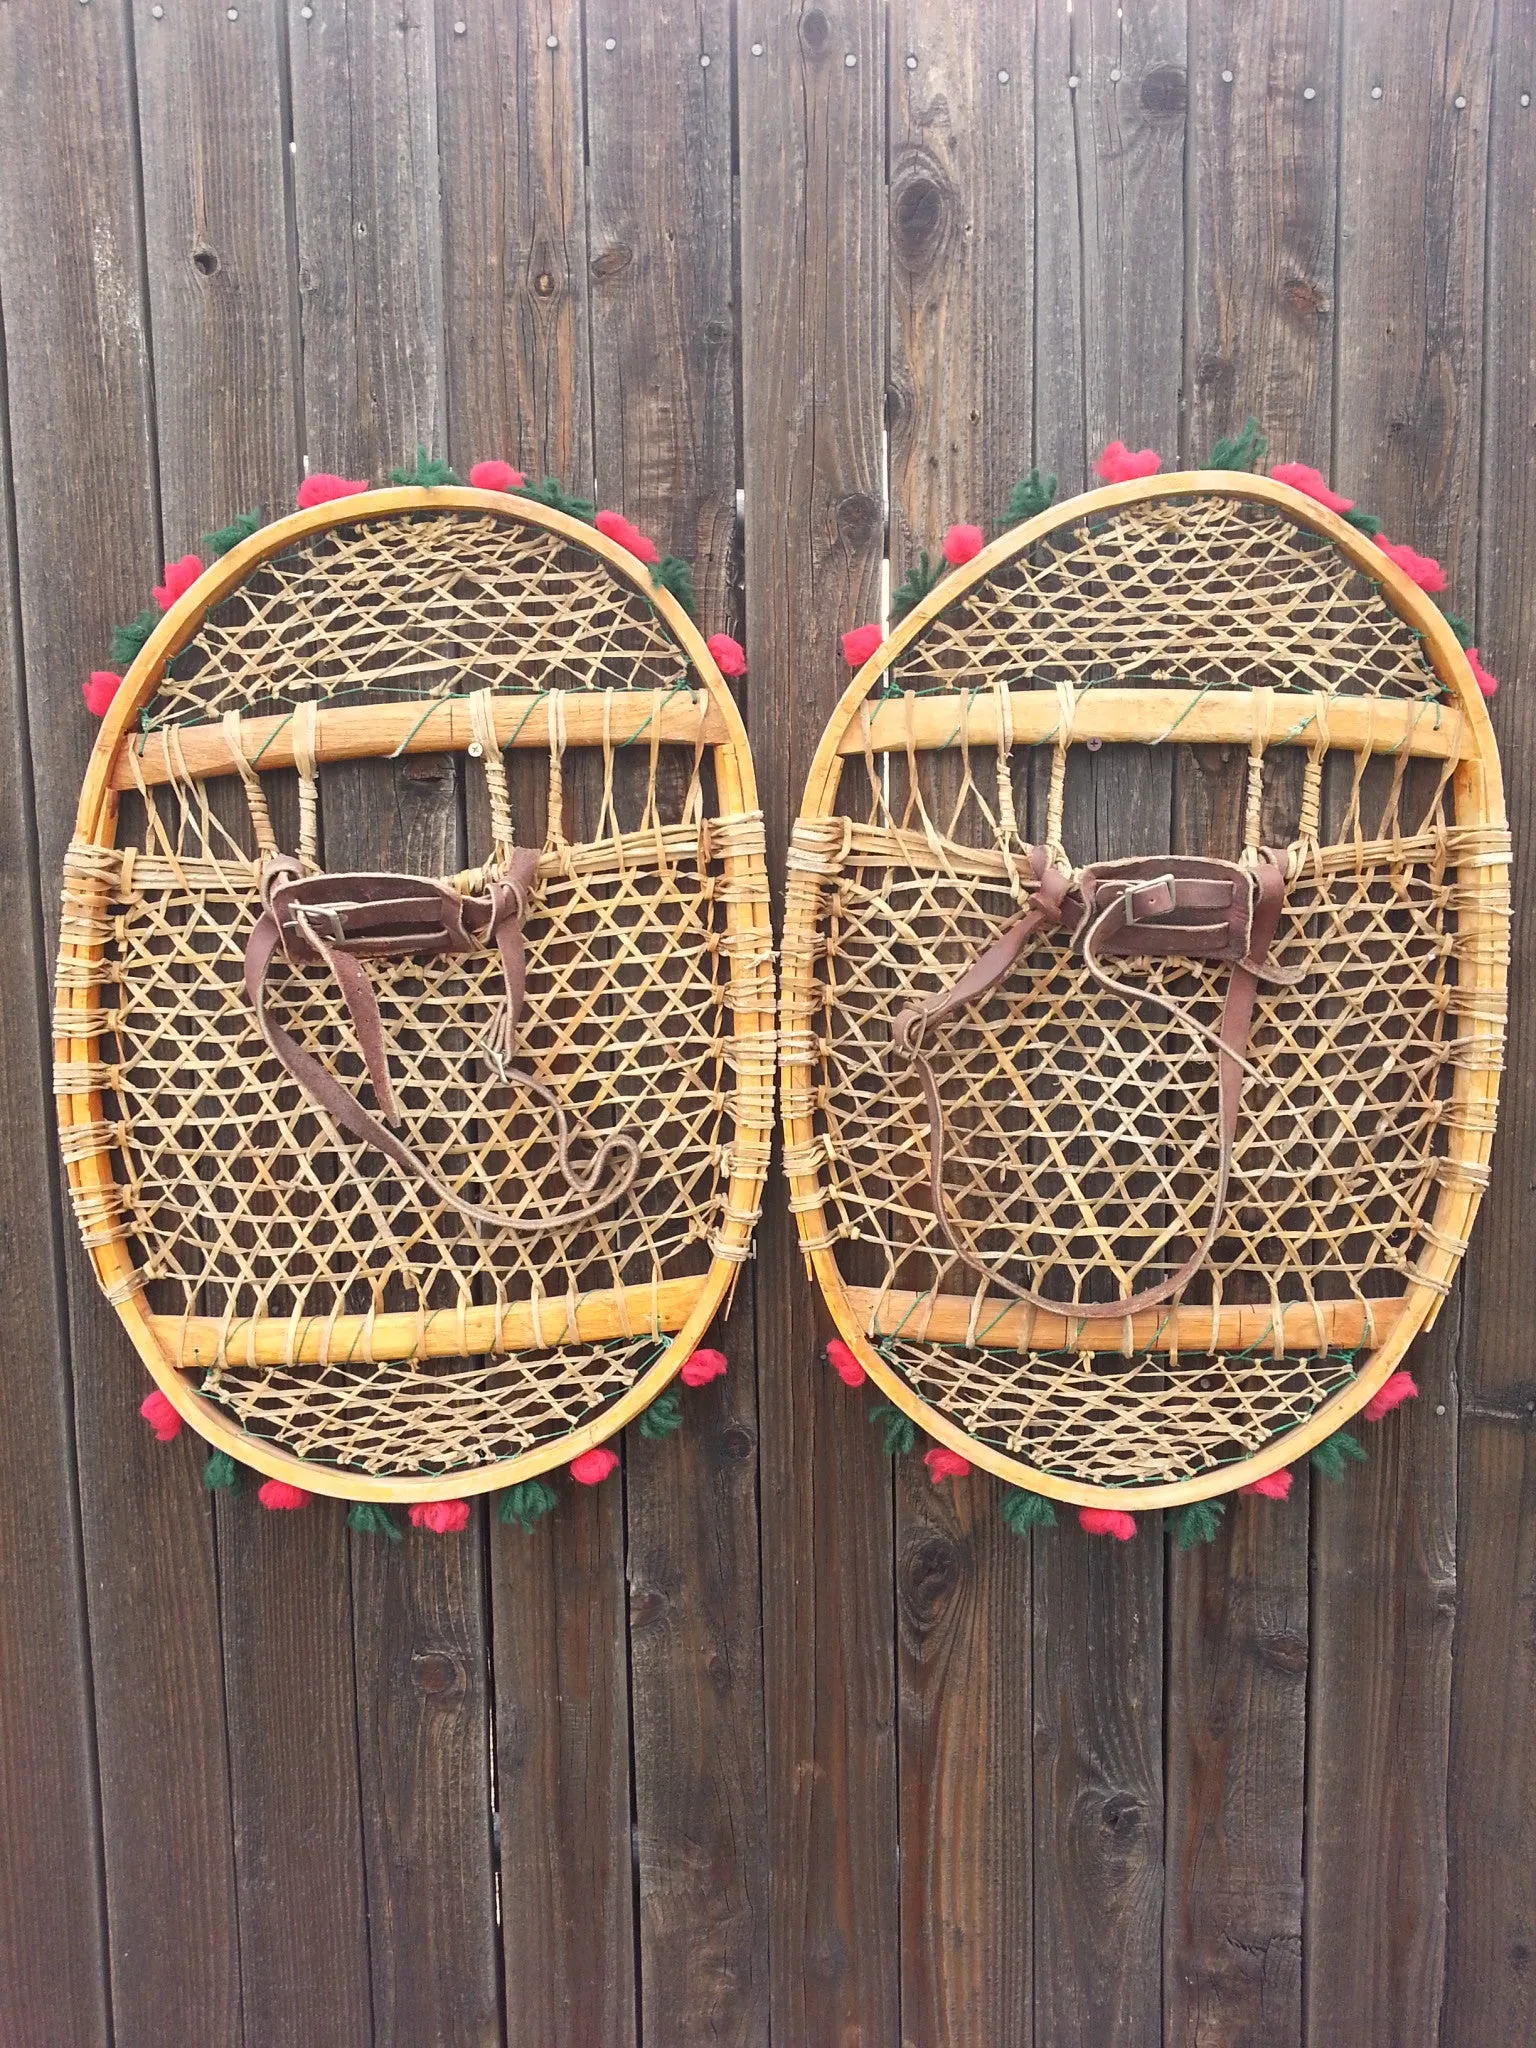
343,919
1163,905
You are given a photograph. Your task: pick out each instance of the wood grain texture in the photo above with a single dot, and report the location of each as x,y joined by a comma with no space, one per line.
813,383
369,227
1410,284
77,348
961,214
1259,341
1489,1994
222,288
1109,339
664,436
519,378
53,1945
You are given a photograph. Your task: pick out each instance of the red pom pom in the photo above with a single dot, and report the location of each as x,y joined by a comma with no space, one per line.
963,544
277,1493
944,1463
860,644
1392,1393
1421,569
1311,484
702,1367
98,690
495,476
162,1418
1109,1521
593,1467
844,1364
1485,682
444,1517
615,527
728,655
1273,1486
179,578
1117,465
322,487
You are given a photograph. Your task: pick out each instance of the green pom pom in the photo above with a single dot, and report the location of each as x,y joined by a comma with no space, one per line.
1367,522
221,1474
1335,1452
1031,496
428,475
1200,1520
664,1415
900,1430
528,1502
1460,628
1023,1511
674,574
1243,450
552,493
226,537
914,586
369,1519
127,640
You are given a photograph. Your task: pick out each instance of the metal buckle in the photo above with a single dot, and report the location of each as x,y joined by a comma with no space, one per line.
1134,889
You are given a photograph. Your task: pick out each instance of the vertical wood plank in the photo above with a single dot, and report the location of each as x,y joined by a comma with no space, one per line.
53,1980
368,203
811,104
1410,287
77,349
961,284
1109,341
658,112
1489,1993
519,372
1265,190
222,288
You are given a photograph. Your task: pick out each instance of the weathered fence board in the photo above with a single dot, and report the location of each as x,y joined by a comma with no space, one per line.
766,1741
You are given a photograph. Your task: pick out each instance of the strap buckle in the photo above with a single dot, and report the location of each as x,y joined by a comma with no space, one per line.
1154,897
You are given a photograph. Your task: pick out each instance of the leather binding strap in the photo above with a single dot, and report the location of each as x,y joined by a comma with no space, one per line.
346,920
1163,905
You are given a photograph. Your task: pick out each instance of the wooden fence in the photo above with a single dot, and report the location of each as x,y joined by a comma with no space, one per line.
773,1741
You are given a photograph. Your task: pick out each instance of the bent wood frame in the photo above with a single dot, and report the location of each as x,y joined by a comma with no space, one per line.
685,1307
1478,789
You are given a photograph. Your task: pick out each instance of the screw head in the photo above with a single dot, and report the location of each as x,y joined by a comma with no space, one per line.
474,750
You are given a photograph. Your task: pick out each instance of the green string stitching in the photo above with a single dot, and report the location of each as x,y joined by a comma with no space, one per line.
367,1518
428,475
1030,496
900,1431
528,1503
1023,1511
914,586
221,1474
1336,1452
674,574
1245,449
664,1415
1200,1520
223,538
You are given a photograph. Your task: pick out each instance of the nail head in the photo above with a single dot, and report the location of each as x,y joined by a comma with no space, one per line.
551,42
1439,1407
231,14
1073,82
1375,92
1226,78
911,63
1114,76
157,13
704,63
459,27
1461,100
1525,99
1002,78
757,49
610,42
1309,92
308,14
849,61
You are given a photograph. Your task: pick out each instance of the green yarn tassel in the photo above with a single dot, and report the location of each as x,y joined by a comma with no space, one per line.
1367,522
367,1518
1335,1452
127,640
552,493
1030,496
1023,1511
226,537
221,1474
914,586
900,1430
426,476
664,1415
528,1503
674,574
1460,628
1243,450
1200,1520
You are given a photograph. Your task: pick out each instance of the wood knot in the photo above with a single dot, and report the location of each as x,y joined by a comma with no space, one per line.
737,1443
813,31
922,209
1303,296
612,262
933,1572
858,520
1121,1814
205,261
437,1673
544,285
1165,92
